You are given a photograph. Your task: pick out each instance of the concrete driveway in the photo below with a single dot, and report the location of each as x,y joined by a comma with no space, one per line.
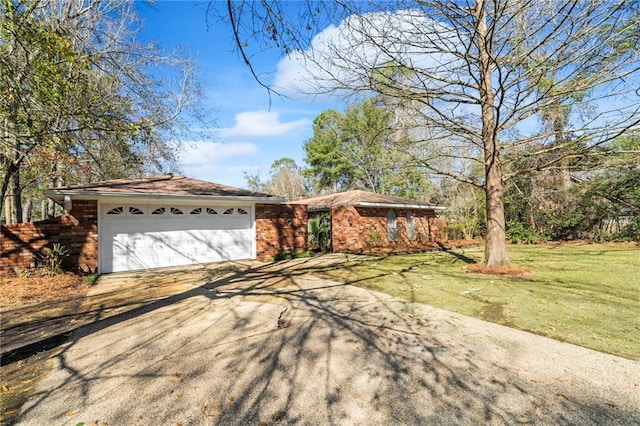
272,344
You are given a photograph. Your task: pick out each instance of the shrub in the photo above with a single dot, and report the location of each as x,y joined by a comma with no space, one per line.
53,257
520,234
320,231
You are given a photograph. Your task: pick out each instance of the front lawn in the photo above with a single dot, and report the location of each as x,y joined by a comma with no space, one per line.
586,294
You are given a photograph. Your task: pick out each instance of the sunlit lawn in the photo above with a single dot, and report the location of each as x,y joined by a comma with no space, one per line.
586,294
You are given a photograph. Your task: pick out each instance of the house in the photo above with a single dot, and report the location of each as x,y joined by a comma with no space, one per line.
157,221
365,222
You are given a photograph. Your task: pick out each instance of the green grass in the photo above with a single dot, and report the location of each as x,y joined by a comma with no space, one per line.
586,294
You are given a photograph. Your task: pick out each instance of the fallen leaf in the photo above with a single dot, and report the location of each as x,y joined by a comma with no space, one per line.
231,399
5,388
203,407
73,413
216,408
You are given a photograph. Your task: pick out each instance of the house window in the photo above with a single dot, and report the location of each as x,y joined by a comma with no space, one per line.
159,210
135,211
392,226
228,211
411,227
242,211
211,211
175,210
116,210
197,210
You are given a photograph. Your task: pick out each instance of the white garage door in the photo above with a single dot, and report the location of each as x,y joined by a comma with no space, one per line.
140,236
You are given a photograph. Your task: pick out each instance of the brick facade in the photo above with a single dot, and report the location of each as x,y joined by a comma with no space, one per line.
22,243
280,228
364,230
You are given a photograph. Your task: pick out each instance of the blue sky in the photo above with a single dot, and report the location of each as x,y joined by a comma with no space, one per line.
249,133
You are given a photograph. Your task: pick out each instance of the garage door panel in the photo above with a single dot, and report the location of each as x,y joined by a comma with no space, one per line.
129,243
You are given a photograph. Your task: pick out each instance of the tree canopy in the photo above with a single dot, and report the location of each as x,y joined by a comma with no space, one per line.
82,99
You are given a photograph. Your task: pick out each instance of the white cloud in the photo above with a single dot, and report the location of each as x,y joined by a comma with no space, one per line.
262,123
342,57
207,153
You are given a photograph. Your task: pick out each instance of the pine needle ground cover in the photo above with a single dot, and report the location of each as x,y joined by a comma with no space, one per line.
585,294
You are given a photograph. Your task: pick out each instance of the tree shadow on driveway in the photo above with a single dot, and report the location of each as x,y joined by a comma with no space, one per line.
264,344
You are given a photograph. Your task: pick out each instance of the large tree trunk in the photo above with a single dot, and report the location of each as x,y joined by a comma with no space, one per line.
495,250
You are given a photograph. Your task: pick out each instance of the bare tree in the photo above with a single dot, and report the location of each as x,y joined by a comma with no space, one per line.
481,81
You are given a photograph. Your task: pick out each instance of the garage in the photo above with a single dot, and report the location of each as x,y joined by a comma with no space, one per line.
163,220
142,236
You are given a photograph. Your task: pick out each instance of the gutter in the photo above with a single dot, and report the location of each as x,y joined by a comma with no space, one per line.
59,195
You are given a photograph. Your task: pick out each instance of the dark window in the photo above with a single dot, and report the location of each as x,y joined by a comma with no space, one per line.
116,210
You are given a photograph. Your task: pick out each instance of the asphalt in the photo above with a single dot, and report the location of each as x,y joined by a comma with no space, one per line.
311,351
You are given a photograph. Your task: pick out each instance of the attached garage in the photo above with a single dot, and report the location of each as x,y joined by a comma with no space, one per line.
142,236
168,220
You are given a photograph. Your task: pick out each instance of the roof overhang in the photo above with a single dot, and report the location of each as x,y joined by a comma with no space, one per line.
327,207
59,196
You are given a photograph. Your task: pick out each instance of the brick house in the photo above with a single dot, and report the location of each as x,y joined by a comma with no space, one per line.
365,222
164,220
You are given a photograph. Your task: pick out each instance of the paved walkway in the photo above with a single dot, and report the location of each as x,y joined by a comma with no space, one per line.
268,344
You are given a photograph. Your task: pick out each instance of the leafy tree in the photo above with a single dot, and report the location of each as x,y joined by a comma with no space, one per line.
285,180
360,150
473,75
82,99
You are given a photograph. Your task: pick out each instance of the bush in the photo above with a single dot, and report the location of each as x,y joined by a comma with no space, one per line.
53,257
320,231
520,234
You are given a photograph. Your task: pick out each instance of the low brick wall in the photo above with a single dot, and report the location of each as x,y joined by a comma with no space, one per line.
364,230
280,228
22,243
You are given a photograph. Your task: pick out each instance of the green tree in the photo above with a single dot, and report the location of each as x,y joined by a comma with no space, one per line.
82,99
360,149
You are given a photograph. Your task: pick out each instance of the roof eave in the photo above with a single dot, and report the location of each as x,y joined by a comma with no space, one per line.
58,195
397,205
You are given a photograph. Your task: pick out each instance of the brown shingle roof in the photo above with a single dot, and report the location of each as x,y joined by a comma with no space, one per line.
362,199
170,185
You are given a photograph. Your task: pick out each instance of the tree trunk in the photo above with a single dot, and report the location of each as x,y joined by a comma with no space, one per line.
495,250
27,210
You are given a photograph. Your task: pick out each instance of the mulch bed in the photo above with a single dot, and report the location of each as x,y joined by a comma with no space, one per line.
36,286
509,271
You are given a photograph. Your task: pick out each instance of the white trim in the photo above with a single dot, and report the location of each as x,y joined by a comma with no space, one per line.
397,206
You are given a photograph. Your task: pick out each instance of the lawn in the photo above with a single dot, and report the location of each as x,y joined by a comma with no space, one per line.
585,294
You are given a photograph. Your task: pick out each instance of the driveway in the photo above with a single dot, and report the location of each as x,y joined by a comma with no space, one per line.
274,344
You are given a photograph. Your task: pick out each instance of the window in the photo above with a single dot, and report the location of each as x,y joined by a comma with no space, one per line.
392,226
211,211
228,211
411,227
116,210
197,210
175,210
160,210
135,211
242,211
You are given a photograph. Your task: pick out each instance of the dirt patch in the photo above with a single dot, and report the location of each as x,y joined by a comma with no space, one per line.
37,286
509,271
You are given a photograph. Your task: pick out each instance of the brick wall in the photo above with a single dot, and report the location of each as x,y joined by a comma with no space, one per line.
78,231
364,230
280,228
